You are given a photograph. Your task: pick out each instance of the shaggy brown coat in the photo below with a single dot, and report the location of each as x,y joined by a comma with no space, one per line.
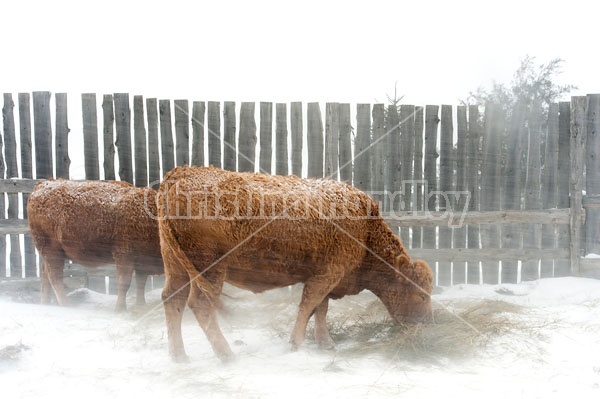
95,223
260,232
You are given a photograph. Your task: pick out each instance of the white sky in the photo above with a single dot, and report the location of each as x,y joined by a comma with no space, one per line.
347,51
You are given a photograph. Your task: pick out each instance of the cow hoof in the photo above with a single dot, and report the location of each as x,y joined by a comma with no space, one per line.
180,358
328,345
227,357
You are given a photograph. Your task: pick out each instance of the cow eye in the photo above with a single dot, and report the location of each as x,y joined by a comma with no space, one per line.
423,297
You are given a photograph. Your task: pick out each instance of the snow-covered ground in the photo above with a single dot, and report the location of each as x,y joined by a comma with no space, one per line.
88,351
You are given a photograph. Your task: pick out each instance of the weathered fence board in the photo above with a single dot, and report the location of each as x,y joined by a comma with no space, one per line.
592,167
182,132
314,140
419,186
43,135
62,136
266,136
446,186
345,144
430,171
123,130
296,129
90,136
154,174
563,267
108,136
281,139
578,141
332,138
247,139
490,183
549,186
473,166
166,136
26,173
229,141
140,149
378,152
214,133
362,148
459,235
198,109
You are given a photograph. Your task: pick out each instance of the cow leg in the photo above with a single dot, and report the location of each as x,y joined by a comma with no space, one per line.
314,293
124,275
140,288
174,296
54,264
204,308
45,287
321,331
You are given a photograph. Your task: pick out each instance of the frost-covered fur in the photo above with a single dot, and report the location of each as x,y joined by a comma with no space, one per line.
259,232
95,223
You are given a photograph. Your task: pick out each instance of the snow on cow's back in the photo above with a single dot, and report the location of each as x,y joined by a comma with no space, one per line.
257,194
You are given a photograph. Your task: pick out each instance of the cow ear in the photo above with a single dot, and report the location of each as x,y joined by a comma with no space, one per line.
401,260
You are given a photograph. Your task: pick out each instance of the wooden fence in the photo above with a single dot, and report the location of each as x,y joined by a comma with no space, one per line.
483,195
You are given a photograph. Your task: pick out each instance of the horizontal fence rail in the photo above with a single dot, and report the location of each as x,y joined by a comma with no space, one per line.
483,194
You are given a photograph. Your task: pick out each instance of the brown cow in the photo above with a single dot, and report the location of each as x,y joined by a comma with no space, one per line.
95,223
260,232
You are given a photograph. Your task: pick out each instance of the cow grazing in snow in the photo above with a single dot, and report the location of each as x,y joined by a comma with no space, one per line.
94,223
260,232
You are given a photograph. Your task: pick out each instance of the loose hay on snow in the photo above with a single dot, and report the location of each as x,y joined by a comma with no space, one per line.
456,332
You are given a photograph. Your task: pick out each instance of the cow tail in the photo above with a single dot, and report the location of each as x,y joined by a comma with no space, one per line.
168,240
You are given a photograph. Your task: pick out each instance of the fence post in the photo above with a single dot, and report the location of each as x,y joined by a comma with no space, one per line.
108,136
417,201
229,142
214,133
139,143
314,140
26,173
62,136
407,141
345,144
182,132
10,150
266,137
297,134
2,211
562,268
473,183
123,143
43,135
578,138
446,186
549,187
378,154
281,142
532,233
362,148
512,235
332,138
198,110
491,173
392,167
430,171
154,174
247,139
90,136
592,181
166,136
462,150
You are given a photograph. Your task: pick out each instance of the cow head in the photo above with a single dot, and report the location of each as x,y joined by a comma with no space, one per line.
406,290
